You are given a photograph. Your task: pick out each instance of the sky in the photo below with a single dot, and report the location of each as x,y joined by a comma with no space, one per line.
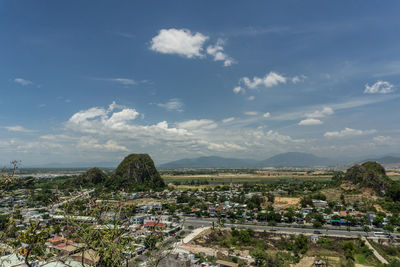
93,81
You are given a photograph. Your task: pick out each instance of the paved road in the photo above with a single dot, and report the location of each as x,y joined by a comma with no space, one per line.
202,223
83,194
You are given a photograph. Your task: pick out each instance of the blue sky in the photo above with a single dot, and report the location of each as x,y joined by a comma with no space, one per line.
91,81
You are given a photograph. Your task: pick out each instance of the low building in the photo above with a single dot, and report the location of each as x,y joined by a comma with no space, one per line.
89,257
138,219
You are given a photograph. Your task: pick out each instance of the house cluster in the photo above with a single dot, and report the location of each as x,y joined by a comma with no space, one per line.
73,251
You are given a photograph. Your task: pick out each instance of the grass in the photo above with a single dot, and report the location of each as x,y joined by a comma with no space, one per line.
360,259
395,177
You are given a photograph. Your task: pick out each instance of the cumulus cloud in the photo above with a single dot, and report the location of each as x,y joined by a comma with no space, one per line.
179,41
217,51
174,104
267,115
224,147
238,89
190,45
104,133
314,117
310,121
88,143
23,82
348,132
326,111
18,128
100,119
380,87
269,80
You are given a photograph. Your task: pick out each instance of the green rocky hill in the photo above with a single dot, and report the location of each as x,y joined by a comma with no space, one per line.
96,176
135,173
369,175
139,169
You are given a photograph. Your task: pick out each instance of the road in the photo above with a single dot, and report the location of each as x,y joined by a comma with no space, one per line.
83,194
203,223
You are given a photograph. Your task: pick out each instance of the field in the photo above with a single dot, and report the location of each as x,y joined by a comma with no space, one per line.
393,174
246,177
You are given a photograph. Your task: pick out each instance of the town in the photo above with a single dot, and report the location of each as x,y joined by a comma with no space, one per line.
78,227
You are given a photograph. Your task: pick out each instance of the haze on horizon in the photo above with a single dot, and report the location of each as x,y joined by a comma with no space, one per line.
94,81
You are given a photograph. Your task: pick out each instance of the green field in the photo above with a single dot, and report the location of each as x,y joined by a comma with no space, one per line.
241,179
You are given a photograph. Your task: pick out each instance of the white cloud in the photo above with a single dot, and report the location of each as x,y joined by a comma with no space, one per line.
223,147
117,123
173,104
310,121
251,113
88,143
83,116
280,138
57,137
107,133
202,124
23,81
238,89
383,140
348,132
179,41
347,104
228,119
326,111
118,119
299,79
269,80
123,81
18,128
380,87
217,51
267,115
251,98
114,106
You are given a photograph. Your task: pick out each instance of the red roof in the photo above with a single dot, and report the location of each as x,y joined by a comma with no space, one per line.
343,213
62,245
151,224
56,239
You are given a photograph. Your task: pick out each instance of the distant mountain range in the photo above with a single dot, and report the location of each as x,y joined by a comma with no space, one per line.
290,159
387,160
210,162
82,165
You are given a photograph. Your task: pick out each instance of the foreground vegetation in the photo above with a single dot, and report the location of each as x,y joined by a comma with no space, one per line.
270,249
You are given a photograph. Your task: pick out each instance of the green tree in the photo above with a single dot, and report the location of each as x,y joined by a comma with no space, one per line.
34,237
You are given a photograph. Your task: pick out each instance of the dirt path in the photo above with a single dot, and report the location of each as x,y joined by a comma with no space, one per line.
376,253
194,234
305,262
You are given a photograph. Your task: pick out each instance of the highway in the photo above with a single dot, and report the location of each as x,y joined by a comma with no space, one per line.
199,222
